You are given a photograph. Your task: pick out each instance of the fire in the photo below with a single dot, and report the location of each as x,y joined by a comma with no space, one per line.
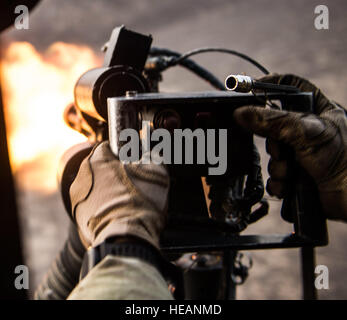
36,88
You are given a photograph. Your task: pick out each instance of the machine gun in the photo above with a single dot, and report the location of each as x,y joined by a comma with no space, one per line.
125,91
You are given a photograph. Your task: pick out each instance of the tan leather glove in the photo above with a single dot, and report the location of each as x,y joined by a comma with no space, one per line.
110,198
319,142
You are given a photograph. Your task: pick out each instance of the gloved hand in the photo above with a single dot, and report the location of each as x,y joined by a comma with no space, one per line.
110,198
319,142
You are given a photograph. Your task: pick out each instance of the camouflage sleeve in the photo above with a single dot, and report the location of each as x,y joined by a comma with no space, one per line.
122,278
342,107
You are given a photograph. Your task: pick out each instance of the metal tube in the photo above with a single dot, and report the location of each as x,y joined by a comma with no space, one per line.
240,83
307,269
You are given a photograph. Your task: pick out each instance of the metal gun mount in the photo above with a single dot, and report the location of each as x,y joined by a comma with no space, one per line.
309,224
185,234
115,97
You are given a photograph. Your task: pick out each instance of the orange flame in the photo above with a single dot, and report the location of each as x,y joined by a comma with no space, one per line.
36,90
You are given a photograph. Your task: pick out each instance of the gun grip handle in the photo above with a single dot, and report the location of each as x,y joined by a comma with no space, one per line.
301,204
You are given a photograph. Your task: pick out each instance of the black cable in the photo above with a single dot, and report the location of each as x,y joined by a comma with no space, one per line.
155,51
223,50
175,58
188,64
203,73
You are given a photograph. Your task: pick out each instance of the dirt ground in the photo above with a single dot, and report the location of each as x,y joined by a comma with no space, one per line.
279,34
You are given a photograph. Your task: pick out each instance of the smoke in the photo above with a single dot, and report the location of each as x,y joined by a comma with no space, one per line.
37,88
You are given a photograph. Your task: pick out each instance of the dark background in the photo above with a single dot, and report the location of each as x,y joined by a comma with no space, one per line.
279,34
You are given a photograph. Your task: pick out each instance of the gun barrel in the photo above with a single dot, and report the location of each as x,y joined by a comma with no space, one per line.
96,85
239,83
